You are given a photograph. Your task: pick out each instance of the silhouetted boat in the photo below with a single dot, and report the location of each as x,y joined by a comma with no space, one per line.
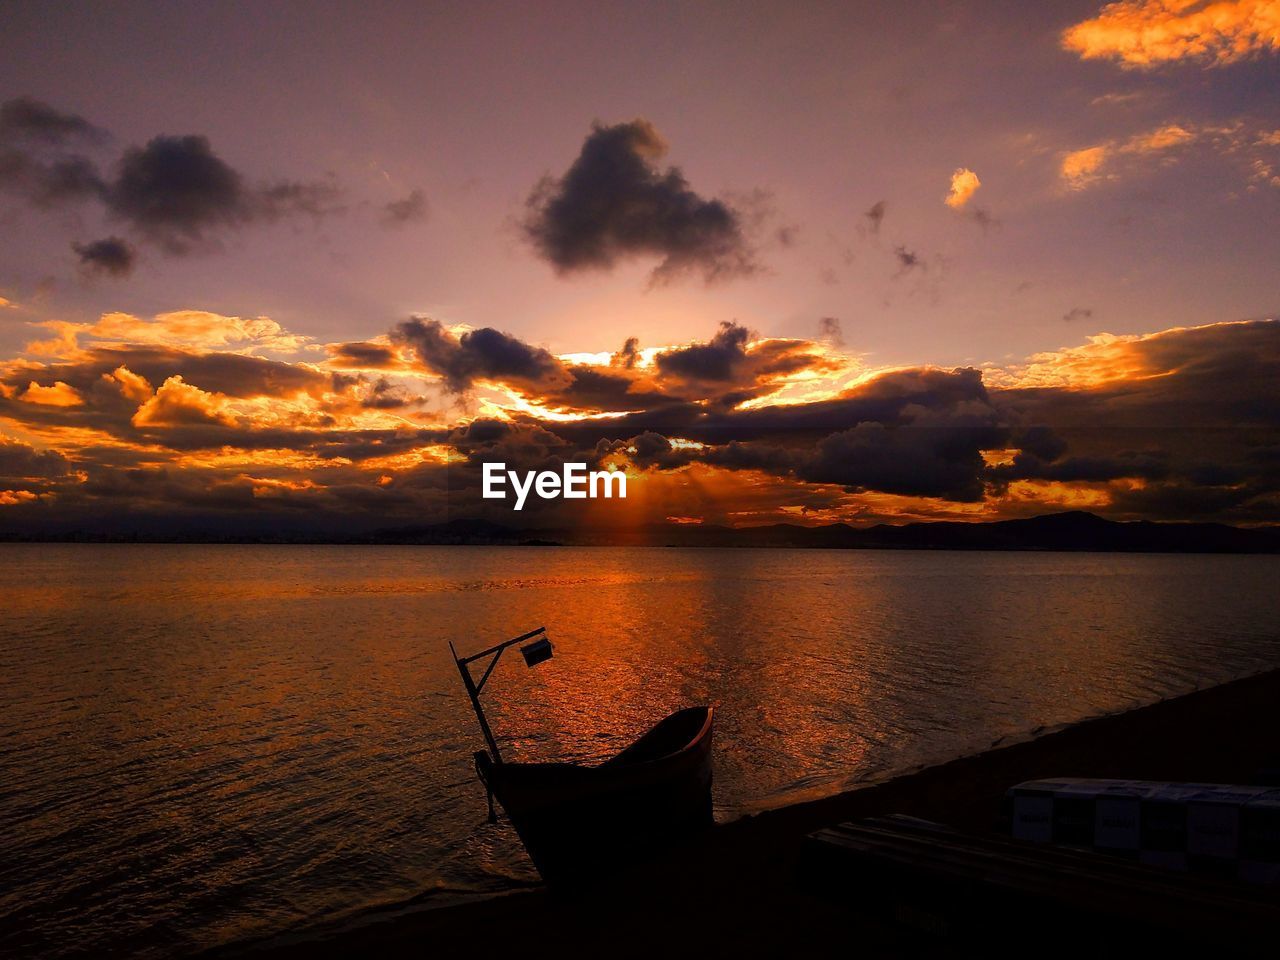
579,822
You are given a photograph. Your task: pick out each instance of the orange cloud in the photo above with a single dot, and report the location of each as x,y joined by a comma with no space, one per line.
181,404
1080,167
63,344
1162,138
1040,495
131,385
1140,34
1106,358
271,487
190,329
58,395
964,184
735,429
10,498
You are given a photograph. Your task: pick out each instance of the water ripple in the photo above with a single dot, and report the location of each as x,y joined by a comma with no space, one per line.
210,744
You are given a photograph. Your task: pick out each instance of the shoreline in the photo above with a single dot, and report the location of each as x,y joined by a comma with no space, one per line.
732,892
1068,532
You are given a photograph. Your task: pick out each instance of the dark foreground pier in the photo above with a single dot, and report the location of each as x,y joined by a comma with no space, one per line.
735,893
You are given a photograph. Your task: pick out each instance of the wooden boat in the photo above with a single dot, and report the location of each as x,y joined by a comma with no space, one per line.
580,822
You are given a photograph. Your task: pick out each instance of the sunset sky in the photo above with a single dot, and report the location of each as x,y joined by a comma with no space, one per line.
290,267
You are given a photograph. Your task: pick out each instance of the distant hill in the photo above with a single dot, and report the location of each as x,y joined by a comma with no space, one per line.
1074,530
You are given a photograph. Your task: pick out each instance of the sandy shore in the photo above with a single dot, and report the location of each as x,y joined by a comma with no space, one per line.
734,893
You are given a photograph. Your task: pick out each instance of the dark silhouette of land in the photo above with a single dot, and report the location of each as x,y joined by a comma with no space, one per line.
1074,530
740,891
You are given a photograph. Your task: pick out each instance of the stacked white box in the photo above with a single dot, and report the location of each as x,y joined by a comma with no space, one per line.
1213,826
1031,814
1260,839
1118,816
1164,824
1074,816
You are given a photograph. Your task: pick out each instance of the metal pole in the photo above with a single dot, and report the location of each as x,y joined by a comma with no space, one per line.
498,646
474,694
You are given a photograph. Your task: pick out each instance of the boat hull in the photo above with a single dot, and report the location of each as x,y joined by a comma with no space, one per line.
579,823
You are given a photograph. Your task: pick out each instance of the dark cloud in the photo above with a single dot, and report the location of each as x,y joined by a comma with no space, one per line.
908,260
724,370
897,398
653,449
314,198
111,256
628,355
940,457
829,330
1191,383
718,359
615,203
982,218
362,354
484,354
1040,441
1084,469
1078,313
410,209
875,216
615,389
385,395
727,362
177,192
1181,424
26,119
49,182
1185,414
913,433
21,462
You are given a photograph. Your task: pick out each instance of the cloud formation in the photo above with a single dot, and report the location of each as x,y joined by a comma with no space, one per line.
908,260
1080,167
111,256
964,184
192,329
21,463
1162,145
178,403
616,203
179,194
484,354
829,329
173,191
122,418
875,215
56,394
26,119
406,210
1141,34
